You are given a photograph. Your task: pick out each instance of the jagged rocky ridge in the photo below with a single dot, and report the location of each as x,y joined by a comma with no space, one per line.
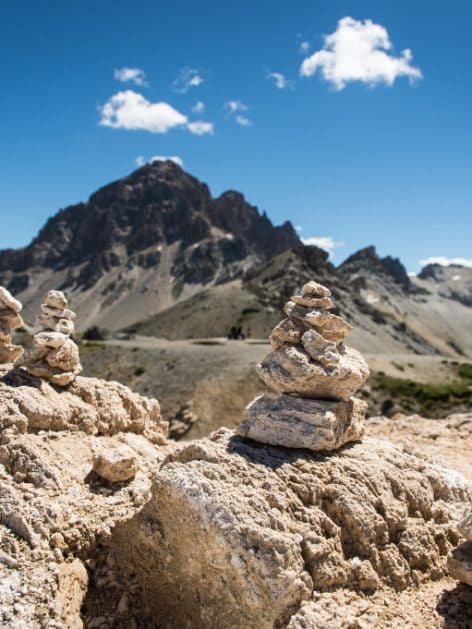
155,252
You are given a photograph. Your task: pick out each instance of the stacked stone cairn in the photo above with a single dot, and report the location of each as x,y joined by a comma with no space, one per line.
10,320
459,560
55,356
313,376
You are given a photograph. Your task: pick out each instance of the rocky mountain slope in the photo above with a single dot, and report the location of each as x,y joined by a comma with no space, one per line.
140,244
156,253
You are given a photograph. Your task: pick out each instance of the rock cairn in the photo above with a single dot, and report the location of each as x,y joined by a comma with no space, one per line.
10,319
55,356
314,377
459,560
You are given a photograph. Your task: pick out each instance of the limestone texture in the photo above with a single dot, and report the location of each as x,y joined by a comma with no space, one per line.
263,529
116,464
294,422
10,320
89,405
55,356
292,370
459,563
465,524
315,375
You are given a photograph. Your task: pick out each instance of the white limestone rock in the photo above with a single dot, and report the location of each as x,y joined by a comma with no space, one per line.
287,331
324,303
56,299
316,290
459,563
321,350
295,422
465,524
8,301
331,326
116,464
292,370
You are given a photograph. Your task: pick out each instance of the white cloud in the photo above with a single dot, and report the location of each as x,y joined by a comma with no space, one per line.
443,261
199,107
135,75
130,110
201,128
163,158
357,51
235,105
327,243
298,228
281,83
188,77
243,121
304,47
140,160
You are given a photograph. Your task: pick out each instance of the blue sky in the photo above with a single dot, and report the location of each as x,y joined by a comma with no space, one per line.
334,147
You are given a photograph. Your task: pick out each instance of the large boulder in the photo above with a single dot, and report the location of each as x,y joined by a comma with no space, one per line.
237,534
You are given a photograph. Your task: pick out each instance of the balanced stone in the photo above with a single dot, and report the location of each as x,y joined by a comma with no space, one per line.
294,422
292,370
55,356
314,377
10,320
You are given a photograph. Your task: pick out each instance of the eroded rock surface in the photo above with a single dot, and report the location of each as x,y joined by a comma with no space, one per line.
10,320
263,529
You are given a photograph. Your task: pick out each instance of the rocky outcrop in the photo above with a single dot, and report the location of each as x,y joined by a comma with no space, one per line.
10,320
459,560
263,529
314,376
55,356
89,405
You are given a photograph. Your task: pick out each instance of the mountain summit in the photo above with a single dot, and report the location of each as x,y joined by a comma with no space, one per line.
157,233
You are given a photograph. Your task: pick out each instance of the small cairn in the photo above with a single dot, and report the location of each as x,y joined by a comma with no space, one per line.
55,356
10,320
314,377
459,560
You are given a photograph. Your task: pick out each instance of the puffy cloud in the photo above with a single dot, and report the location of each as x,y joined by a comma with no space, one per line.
130,110
358,51
188,78
140,160
443,261
243,121
232,106
199,107
281,83
327,243
201,128
135,75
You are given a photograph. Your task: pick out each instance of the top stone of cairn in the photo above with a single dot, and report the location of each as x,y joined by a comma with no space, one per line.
313,376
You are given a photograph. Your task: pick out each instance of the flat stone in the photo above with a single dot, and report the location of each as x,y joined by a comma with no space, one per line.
331,326
287,331
56,299
291,370
459,563
116,464
465,524
324,303
65,326
296,422
9,301
58,313
10,320
316,290
49,339
321,350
